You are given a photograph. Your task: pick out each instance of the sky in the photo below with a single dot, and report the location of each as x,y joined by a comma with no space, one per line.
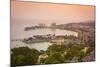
49,12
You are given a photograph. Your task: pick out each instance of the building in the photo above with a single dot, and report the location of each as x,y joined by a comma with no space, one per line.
59,40
53,25
42,58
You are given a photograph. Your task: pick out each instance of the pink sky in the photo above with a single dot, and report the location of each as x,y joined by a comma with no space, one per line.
30,11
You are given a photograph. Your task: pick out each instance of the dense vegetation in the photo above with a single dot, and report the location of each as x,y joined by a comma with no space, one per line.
56,54
24,56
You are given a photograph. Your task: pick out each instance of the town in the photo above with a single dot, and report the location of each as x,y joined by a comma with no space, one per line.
63,48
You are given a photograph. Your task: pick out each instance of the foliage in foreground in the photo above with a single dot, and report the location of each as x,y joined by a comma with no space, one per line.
56,54
24,56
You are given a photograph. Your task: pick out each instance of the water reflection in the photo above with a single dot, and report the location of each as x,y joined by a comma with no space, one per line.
39,46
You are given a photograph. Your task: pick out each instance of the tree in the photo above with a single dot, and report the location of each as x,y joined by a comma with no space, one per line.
55,58
24,56
56,48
